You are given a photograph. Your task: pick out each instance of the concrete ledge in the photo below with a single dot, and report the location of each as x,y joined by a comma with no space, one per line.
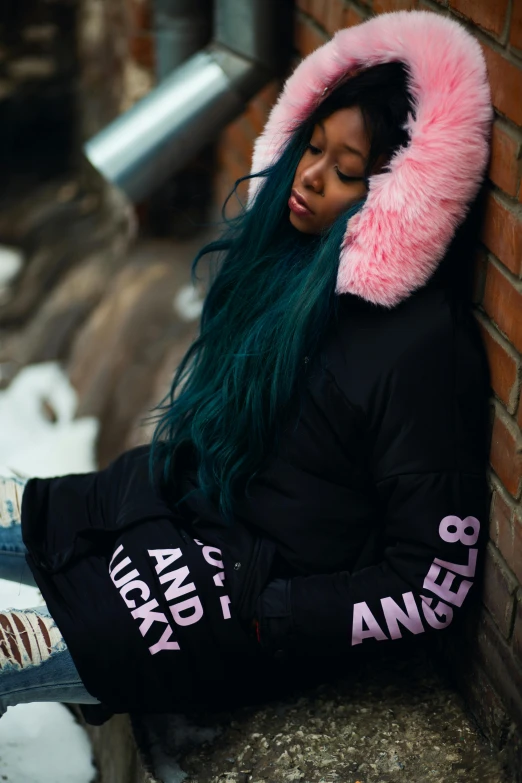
386,721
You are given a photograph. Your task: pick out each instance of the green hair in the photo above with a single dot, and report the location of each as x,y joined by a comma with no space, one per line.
271,299
269,303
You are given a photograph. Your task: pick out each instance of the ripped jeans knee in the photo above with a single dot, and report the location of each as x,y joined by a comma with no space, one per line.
27,638
35,663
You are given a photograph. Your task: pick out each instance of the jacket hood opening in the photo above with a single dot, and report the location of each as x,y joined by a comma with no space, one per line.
394,244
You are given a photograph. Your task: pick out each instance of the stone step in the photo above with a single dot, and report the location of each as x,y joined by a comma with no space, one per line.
390,719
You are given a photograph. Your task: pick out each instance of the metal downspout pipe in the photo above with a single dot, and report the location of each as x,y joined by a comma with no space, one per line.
181,28
156,138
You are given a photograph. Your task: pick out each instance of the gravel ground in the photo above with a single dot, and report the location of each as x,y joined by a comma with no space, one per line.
395,722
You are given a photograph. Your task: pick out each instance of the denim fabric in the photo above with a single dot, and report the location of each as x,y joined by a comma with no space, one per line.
53,675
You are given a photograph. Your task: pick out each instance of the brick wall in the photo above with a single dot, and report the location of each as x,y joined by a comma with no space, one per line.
234,150
491,670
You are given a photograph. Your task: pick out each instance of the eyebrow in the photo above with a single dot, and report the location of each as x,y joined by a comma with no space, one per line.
347,146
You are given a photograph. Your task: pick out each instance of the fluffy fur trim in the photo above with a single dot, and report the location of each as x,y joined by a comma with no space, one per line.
394,244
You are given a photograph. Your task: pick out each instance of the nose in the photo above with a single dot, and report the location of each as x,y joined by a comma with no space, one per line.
312,177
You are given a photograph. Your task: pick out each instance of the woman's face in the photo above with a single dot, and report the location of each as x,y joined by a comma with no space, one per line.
329,177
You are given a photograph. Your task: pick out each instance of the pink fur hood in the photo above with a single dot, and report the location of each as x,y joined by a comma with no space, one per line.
394,244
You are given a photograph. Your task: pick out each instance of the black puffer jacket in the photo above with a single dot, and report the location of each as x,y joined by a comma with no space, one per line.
364,527
375,499
367,523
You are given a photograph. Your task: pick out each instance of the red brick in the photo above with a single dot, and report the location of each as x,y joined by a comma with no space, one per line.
248,130
229,160
307,36
489,14
234,138
515,31
257,116
383,6
318,9
504,164
509,539
141,48
517,631
502,362
498,592
502,530
503,303
268,95
505,80
139,15
516,551
500,665
352,16
502,233
505,457
334,19
501,513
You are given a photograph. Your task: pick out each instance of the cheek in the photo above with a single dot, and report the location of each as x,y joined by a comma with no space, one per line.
299,170
339,202
342,200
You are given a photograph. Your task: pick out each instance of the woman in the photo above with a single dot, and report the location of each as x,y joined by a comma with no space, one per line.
316,481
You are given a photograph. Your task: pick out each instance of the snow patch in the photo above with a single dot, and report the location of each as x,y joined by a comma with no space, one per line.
14,595
11,261
41,742
175,738
188,303
40,436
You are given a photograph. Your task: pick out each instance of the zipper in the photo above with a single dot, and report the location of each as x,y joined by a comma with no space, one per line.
249,574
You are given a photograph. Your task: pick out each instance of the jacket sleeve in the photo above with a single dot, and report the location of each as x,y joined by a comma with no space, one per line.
427,430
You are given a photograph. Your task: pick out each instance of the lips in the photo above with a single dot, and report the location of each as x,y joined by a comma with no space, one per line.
300,199
297,204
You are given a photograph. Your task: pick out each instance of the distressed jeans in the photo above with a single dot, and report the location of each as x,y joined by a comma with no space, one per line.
35,664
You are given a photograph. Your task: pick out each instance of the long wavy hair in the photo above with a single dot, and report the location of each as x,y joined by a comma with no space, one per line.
270,300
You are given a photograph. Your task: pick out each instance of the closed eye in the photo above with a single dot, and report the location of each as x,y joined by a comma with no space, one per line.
343,177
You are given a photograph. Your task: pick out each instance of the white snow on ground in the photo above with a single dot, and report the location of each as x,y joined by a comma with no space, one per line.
181,735
188,303
11,261
166,768
18,596
38,433
42,743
